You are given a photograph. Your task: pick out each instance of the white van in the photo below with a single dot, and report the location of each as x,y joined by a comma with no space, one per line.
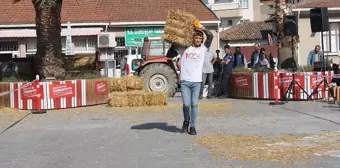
130,62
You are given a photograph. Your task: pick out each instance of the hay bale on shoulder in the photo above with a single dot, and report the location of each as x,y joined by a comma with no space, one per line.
179,28
118,84
136,99
135,83
118,99
156,98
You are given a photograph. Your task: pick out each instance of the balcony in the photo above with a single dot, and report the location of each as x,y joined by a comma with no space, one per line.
230,13
227,10
224,6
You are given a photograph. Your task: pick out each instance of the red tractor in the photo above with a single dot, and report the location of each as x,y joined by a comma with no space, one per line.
160,73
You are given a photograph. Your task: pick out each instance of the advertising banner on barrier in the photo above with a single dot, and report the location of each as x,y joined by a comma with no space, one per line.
62,90
101,87
285,81
31,91
242,81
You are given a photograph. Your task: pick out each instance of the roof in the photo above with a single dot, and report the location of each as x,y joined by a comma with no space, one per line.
318,3
98,11
247,31
19,33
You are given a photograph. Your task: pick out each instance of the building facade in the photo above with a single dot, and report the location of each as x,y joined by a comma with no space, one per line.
308,40
233,12
90,18
268,7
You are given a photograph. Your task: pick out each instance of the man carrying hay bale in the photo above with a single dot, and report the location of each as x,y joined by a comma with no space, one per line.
191,66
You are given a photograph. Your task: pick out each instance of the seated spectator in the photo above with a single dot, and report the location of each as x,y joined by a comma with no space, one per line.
335,81
263,62
269,57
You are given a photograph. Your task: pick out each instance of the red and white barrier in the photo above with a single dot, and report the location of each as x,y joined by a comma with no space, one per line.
263,84
54,95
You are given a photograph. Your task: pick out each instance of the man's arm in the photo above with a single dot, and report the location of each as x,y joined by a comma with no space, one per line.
209,35
174,51
322,56
245,62
226,60
252,59
213,60
309,58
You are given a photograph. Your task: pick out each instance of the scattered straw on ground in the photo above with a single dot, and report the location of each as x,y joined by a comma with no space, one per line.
210,108
10,115
286,149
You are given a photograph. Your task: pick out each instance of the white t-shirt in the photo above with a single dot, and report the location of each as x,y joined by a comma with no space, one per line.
207,66
192,63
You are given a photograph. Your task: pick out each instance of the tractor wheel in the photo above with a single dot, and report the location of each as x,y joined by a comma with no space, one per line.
160,78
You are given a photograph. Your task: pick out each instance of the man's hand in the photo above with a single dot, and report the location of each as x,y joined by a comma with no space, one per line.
197,24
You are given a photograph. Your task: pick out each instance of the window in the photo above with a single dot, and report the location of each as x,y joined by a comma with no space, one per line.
205,1
120,41
244,3
84,44
31,46
230,22
135,64
9,46
224,1
158,48
244,20
331,39
295,1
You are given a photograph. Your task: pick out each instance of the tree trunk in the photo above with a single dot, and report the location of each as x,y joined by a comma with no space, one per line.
49,61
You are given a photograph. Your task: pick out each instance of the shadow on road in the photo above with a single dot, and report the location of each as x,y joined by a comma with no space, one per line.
162,126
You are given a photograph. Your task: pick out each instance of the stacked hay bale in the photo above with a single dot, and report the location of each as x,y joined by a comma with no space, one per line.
128,92
179,28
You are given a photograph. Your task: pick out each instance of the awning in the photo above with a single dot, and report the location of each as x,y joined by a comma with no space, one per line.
20,33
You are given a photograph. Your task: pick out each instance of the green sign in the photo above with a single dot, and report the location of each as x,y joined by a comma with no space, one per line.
134,36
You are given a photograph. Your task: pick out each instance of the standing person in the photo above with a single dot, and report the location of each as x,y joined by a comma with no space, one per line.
255,56
315,56
208,72
239,58
227,71
191,66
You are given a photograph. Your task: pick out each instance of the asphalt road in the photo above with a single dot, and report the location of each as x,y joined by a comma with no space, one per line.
100,137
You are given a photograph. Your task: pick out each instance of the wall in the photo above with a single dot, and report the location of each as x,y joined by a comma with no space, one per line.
248,50
245,44
308,40
120,32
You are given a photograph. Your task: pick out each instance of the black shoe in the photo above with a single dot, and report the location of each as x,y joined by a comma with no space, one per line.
192,131
200,97
210,97
185,127
222,97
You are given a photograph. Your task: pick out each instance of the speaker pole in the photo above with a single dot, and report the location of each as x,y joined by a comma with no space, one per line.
322,49
294,82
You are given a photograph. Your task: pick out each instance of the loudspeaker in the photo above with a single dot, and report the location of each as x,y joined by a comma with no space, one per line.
319,21
290,25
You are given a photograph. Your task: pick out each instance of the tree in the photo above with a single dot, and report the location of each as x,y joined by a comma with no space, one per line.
48,61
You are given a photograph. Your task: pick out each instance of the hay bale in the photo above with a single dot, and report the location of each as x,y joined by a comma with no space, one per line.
156,98
179,28
135,83
118,85
136,99
118,99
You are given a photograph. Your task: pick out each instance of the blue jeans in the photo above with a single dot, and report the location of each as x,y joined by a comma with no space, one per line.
190,92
